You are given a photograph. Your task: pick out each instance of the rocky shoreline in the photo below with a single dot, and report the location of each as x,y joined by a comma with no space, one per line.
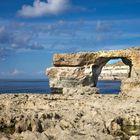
76,112
69,116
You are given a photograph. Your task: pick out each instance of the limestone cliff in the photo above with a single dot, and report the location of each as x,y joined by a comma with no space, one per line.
117,71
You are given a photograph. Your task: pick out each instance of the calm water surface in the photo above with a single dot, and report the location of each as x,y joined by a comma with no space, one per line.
42,86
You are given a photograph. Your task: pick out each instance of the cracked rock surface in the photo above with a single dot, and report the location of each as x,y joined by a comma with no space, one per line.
60,117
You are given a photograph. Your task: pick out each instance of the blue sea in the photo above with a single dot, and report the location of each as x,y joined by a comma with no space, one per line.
42,86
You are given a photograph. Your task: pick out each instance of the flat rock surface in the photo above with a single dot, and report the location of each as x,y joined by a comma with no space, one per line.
60,117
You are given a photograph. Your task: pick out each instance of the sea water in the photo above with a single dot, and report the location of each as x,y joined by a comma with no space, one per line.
42,86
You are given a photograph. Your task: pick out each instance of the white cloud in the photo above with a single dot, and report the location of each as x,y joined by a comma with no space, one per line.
41,72
15,39
40,8
14,72
66,36
103,26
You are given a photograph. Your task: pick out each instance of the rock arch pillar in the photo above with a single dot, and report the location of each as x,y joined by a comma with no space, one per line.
129,63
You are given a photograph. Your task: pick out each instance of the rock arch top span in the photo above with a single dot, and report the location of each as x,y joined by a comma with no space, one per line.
83,69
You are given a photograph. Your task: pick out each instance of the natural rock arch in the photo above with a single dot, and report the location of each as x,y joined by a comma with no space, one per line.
101,62
82,69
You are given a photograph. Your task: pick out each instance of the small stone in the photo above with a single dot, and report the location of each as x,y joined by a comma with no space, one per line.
4,138
133,138
64,124
29,135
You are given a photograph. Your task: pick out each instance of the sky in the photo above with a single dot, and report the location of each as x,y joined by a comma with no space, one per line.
31,31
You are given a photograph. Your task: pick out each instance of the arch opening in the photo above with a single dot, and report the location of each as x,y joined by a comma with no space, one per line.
111,70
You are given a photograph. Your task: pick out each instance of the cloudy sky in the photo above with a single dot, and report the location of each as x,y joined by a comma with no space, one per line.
31,31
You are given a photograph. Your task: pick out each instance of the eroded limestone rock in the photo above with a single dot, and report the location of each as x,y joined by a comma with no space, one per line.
72,70
56,117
